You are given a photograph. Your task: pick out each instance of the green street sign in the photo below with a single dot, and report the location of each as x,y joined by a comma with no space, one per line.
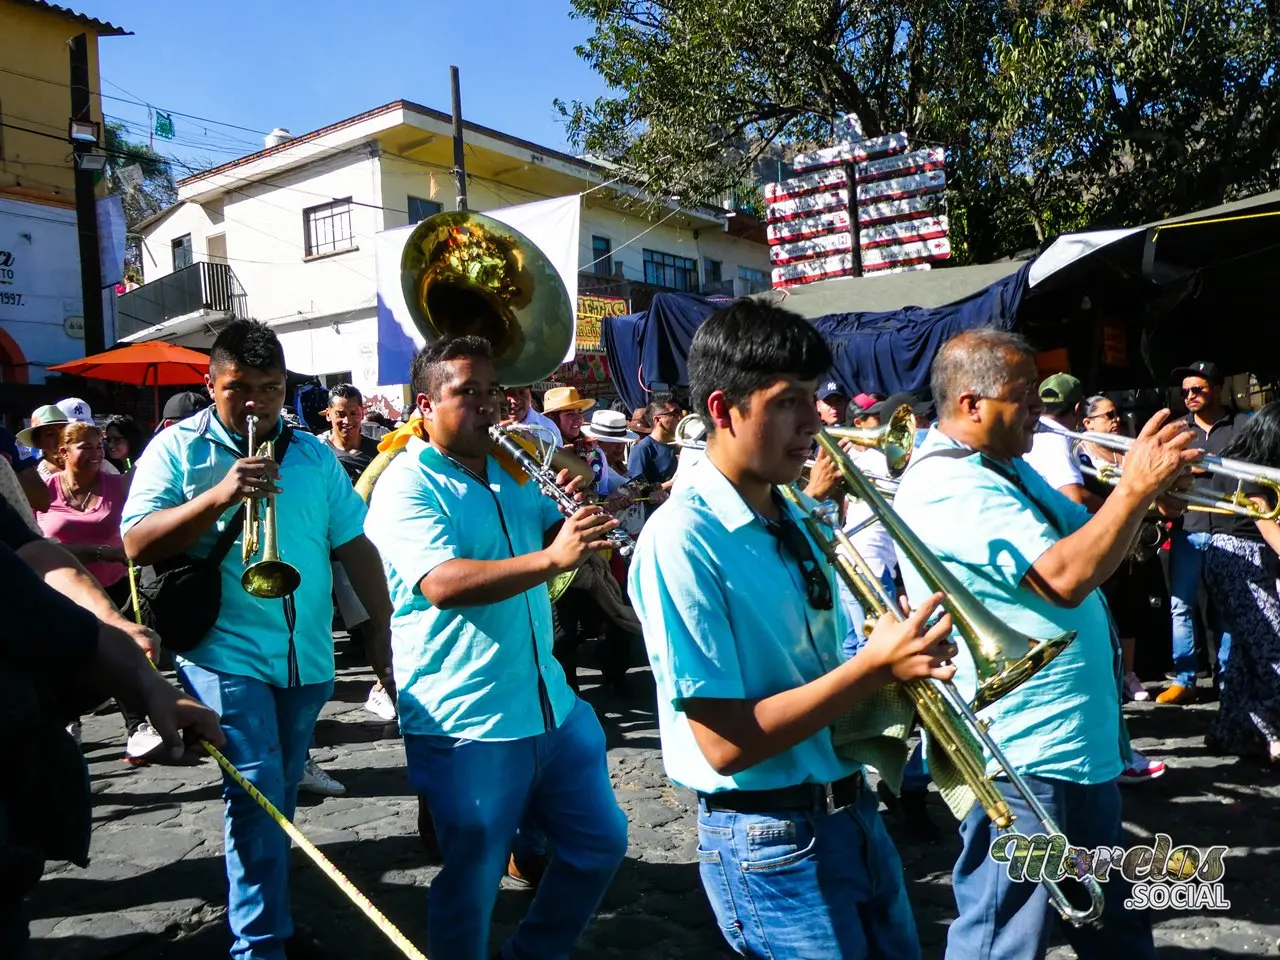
164,125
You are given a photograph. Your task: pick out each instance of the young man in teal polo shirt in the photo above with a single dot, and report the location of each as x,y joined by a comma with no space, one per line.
744,627
494,737
266,666
1035,559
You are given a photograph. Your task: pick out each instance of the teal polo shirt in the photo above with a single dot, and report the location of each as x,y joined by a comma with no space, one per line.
318,511
725,616
1064,722
480,672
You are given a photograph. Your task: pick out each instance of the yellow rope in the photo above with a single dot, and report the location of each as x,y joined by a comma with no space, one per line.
1201,223
380,921
346,886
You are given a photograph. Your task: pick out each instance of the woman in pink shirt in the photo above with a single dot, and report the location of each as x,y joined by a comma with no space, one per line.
85,504
84,509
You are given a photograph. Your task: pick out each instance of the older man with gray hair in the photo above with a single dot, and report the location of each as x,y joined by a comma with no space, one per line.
1036,560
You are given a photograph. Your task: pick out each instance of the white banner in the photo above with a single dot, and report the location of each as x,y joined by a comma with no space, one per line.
551,225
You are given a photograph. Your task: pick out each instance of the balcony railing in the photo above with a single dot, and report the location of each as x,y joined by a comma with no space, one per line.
201,287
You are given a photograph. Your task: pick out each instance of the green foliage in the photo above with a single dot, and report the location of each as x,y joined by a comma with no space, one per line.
1057,114
157,190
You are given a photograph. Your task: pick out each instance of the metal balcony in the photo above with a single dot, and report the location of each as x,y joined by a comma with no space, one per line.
209,291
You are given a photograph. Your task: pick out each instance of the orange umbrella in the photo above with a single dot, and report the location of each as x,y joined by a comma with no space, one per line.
154,364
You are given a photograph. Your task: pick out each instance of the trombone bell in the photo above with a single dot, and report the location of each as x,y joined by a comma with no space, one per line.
895,439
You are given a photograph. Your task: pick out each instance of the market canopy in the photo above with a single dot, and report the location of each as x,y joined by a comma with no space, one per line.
1118,308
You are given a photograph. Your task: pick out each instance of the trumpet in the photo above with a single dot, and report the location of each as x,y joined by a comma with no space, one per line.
895,439
1240,471
545,477
952,723
270,578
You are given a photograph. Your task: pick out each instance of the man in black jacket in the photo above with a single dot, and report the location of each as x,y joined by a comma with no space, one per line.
53,649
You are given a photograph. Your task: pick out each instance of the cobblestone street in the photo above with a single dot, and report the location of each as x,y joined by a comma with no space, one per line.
156,886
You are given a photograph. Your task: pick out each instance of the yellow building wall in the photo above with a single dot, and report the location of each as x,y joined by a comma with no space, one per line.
34,167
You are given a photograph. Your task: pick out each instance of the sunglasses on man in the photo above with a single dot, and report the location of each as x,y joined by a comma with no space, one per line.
1195,391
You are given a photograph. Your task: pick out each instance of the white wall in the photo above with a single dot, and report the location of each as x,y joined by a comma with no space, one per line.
316,347
40,288
157,247
266,244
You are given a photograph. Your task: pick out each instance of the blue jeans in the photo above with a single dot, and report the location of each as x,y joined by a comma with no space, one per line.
807,886
268,732
1186,565
479,793
1000,919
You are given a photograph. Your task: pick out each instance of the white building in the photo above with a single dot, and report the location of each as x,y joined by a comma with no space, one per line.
286,235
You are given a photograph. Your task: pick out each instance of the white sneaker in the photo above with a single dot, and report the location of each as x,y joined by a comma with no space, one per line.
142,742
315,780
380,705
75,730
1133,688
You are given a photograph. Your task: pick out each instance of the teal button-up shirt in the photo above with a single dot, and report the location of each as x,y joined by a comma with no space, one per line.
1065,721
317,512
480,672
725,616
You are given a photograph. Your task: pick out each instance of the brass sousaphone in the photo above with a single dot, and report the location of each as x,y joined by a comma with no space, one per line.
463,273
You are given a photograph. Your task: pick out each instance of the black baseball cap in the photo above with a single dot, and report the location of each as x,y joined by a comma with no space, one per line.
831,388
884,409
182,405
1205,369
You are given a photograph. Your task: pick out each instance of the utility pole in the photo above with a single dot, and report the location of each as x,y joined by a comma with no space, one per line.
459,160
86,203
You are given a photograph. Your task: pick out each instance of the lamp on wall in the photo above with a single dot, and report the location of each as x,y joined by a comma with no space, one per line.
83,131
96,162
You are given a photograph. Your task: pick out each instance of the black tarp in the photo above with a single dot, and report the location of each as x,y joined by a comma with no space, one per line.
885,351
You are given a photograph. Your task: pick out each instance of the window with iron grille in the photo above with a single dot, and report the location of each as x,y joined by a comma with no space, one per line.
420,209
667,270
752,275
712,270
328,228
602,254
181,251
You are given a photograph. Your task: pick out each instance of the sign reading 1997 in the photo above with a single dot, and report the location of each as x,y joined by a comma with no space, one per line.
7,297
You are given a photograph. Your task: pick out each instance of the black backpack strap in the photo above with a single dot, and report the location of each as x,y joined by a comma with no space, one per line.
228,537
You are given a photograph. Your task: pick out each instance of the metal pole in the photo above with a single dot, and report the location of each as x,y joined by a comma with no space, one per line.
86,205
459,160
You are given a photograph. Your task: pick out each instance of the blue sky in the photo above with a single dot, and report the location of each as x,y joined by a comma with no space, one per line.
303,65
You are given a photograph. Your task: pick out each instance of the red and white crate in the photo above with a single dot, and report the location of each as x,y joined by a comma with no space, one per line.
784,253
910,208
902,231
905,254
851,152
903,164
831,179
902,187
809,271
789,231
808,205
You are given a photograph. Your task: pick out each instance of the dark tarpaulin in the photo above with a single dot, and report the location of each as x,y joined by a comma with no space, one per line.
886,352
621,339
891,351
667,331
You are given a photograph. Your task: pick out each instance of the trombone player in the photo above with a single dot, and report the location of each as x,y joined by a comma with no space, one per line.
1036,560
743,628
266,666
